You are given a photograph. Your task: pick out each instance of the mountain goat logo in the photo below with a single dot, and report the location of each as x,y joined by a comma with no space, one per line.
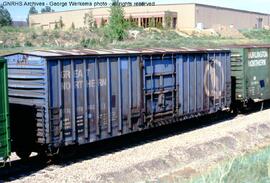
214,78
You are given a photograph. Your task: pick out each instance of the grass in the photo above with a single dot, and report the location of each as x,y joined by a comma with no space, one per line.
169,42
259,34
20,39
250,168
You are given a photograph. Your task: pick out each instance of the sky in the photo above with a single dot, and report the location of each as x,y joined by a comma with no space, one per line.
19,13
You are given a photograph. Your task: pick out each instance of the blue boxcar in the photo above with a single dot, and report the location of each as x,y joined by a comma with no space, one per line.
82,96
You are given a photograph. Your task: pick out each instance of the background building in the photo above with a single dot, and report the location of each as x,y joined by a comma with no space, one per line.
19,24
181,16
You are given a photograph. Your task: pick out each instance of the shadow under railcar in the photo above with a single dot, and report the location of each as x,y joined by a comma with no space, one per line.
19,168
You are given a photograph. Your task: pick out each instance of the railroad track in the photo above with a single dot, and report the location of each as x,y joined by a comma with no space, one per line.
19,168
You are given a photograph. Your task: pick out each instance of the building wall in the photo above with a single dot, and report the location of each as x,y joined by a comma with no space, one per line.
47,20
211,16
185,15
188,16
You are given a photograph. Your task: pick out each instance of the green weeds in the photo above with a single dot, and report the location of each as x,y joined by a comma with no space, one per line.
254,167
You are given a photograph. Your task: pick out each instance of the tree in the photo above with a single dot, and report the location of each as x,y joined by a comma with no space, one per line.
95,24
32,11
55,25
5,18
131,22
102,23
61,23
72,26
47,9
152,22
159,25
117,25
89,21
168,20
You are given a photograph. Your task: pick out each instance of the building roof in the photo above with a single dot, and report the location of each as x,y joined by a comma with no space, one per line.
108,52
231,9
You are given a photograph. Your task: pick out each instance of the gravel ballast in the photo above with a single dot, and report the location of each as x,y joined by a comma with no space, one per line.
167,159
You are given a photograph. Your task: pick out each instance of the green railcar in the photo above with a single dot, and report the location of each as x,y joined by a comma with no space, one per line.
250,66
5,147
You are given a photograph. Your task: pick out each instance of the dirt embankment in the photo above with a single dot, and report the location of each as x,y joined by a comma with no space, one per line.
168,160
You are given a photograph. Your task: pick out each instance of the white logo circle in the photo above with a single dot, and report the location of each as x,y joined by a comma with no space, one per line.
214,79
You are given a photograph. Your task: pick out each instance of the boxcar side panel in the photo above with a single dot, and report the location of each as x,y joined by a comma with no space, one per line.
93,98
5,147
257,73
251,73
28,98
204,83
238,75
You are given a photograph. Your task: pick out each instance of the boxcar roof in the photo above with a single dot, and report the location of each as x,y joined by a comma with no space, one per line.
97,52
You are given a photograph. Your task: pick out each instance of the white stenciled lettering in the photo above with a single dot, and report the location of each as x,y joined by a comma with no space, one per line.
88,72
257,63
101,82
92,83
66,86
79,84
257,54
66,74
78,74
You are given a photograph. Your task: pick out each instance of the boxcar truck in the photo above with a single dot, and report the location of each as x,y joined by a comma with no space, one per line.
73,97
250,75
5,147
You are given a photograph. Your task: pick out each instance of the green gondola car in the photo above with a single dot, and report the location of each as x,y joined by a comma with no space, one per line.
250,66
5,147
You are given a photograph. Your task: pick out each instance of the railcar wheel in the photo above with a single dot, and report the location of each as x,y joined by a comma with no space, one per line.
235,108
66,153
42,155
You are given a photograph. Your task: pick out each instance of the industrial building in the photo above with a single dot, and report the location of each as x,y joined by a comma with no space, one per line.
181,16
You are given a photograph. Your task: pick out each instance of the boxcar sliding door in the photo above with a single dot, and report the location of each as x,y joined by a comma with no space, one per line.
160,89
